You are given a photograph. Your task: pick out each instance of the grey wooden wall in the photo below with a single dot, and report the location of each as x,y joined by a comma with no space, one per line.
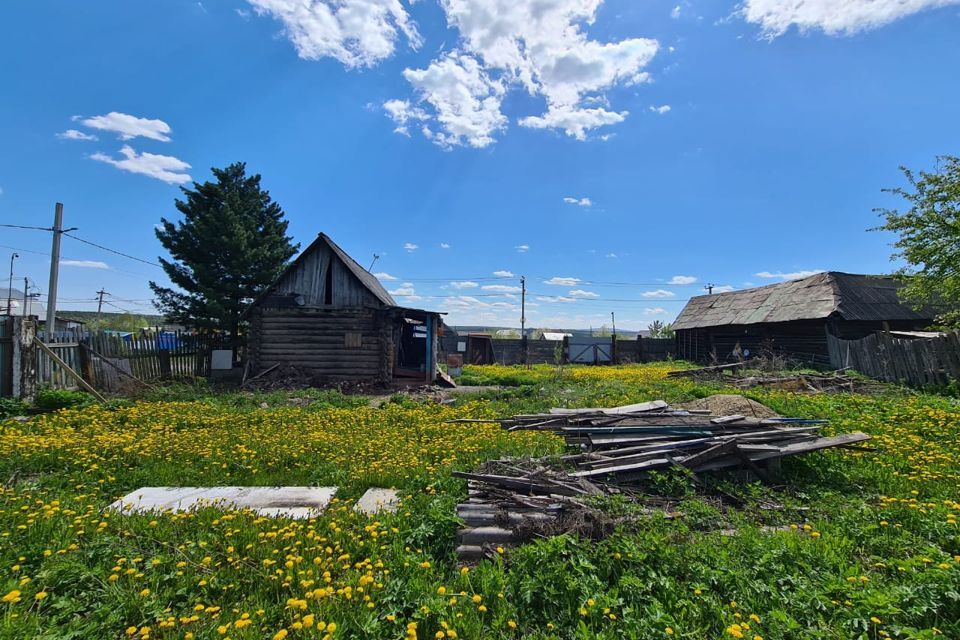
310,280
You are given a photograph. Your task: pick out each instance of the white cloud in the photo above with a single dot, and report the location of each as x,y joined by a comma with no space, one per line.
503,273
611,255
402,113
792,275
129,127
541,47
501,288
662,109
383,275
464,284
522,248
580,293
580,202
654,311
166,168
563,282
682,280
675,14
465,101
406,289
358,33
409,246
243,13
574,122
833,17
724,288
444,245
552,299
659,293
73,134
84,264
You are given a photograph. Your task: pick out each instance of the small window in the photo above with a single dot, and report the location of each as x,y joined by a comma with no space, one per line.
352,339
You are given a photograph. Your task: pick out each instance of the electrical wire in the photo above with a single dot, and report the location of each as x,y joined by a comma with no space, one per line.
21,226
119,253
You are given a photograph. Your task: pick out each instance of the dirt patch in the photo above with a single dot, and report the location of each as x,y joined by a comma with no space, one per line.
726,404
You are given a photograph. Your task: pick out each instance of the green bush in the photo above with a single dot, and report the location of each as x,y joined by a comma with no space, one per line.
10,407
53,399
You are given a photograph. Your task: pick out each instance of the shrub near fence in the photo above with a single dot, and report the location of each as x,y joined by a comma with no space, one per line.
912,361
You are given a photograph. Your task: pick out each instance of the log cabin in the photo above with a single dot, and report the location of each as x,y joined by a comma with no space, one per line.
331,318
793,318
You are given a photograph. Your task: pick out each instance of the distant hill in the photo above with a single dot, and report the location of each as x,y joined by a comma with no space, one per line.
114,321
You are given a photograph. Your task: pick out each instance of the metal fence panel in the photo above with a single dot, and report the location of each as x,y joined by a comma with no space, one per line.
590,350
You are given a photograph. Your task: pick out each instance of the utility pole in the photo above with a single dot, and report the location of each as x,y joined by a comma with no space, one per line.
523,319
54,271
26,287
709,287
100,293
523,307
614,357
13,256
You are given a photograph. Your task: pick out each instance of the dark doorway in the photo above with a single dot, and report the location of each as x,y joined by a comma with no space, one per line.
413,346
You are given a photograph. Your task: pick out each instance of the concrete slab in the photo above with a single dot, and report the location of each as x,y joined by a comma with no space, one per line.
275,502
376,500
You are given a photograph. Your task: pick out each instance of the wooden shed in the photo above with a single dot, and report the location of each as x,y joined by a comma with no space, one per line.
792,318
330,317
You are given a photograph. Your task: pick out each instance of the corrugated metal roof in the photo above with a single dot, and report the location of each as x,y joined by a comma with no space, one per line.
850,296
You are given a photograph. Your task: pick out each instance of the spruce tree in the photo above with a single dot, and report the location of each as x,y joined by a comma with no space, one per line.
231,244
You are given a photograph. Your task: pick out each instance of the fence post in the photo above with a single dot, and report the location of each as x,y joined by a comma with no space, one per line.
165,370
86,364
24,359
640,357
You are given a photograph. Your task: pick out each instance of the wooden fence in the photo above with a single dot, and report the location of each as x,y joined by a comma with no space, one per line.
66,344
911,361
110,360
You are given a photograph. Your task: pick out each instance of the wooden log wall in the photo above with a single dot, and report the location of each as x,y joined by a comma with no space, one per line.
332,343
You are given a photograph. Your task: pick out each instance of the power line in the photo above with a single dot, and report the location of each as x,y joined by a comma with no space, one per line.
21,226
119,253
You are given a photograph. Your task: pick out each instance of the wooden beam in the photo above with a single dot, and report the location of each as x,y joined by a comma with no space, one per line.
73,374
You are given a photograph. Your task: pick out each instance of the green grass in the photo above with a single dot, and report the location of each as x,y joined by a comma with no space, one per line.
872,552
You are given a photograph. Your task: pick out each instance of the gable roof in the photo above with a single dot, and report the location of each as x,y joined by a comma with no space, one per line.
367,279
849,296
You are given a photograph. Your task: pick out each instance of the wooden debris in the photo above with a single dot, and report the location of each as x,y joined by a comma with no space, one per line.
515,500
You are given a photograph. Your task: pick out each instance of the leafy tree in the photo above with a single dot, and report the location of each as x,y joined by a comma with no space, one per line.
120,322
230,245
929,238
659,329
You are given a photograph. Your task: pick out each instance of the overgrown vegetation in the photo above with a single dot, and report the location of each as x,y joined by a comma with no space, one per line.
855,544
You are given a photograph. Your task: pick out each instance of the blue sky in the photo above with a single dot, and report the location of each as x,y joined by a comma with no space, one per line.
619,154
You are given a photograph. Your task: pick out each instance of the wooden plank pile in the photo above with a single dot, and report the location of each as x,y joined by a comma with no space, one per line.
620,446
